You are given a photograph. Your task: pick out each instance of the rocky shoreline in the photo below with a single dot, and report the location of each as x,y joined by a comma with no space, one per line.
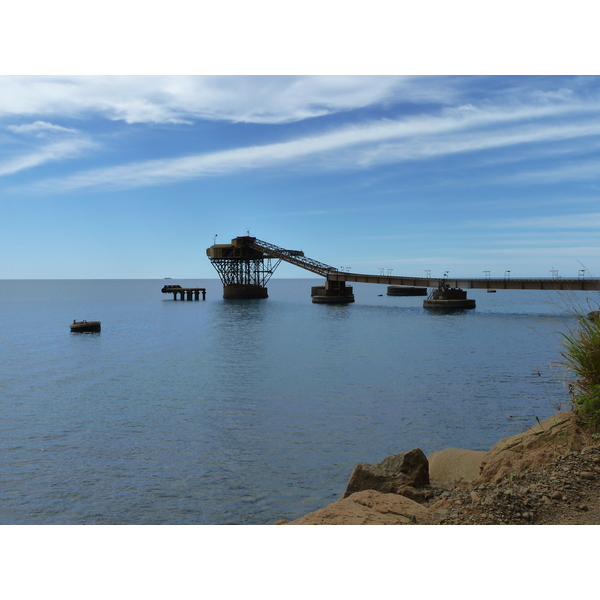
549,474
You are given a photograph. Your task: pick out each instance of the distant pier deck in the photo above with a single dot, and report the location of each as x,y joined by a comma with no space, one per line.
184,293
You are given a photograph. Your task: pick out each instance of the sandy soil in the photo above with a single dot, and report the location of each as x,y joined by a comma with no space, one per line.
565,491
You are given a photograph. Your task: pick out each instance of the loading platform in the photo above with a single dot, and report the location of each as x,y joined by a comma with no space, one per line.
184,293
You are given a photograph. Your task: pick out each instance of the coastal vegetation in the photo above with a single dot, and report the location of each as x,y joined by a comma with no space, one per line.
581,358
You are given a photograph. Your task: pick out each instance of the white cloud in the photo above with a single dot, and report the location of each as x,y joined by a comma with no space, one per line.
422,147
48,153
571,221
549,251
580,170
367,144
467,128
68,143
39,128
178,99
255,99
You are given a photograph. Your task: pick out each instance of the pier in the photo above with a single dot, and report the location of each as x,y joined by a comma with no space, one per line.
184,293
246,265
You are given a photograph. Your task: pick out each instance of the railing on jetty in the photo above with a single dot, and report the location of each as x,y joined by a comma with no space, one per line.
467,283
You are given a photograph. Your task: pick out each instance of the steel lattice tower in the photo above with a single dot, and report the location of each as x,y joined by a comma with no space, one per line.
243,270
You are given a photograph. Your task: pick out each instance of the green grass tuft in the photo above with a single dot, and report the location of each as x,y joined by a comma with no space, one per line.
581,357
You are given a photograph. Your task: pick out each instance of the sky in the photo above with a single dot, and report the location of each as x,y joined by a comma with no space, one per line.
409,138
115,176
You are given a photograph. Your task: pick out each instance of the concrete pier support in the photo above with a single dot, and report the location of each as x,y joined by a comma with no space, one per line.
448,298
333,292
244,292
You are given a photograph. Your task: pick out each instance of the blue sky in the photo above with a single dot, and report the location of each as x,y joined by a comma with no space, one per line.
133,176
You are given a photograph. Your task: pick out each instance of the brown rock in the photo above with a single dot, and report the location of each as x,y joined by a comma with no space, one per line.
414,494
367,508
453,465
557,435
391,475
587,475
440,504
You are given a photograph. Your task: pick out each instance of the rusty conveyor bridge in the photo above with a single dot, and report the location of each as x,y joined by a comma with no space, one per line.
332,274
246,265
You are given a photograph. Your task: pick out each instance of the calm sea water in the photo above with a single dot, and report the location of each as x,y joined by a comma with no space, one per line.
247,412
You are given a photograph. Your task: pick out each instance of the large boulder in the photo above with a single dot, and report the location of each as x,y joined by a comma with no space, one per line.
557,435
366,508
393,475
454,466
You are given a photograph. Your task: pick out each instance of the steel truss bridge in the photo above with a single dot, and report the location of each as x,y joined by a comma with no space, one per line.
248,261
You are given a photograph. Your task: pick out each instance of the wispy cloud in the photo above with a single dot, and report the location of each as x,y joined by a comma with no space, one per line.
577,170
52,152
547,252
364,145
423,147
180,99
540,118
572,221
39,128
271,99
44,142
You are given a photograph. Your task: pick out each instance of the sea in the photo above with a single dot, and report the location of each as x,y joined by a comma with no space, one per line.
247,412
